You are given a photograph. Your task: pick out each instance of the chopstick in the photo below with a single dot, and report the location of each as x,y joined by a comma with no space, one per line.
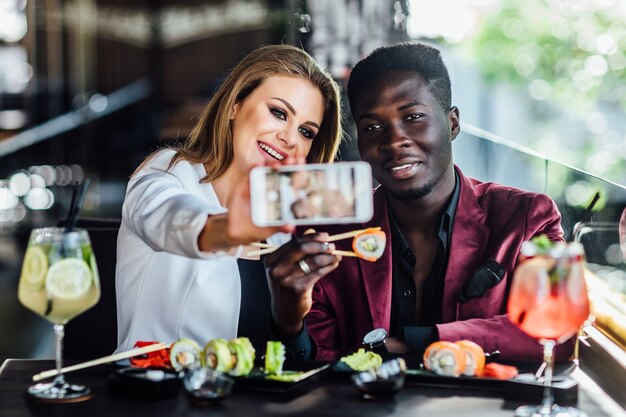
261,245
273,248
260,252
100,361
349,234
345,253
332,238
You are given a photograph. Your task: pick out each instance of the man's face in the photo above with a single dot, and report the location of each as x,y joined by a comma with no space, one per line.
405,134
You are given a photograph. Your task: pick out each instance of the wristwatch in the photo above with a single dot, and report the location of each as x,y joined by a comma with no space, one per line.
375,340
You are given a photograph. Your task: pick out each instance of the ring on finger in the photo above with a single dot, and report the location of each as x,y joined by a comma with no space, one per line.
304,267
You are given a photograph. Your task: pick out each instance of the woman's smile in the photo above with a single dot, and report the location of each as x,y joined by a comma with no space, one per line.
273,153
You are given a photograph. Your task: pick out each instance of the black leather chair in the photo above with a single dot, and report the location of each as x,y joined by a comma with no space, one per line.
94,333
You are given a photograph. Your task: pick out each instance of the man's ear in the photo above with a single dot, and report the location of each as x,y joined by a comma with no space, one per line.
234,110
454,122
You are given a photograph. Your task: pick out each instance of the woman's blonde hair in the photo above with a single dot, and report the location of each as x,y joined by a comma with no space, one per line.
211,141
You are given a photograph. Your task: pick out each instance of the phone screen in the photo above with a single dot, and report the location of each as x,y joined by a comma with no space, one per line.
312,194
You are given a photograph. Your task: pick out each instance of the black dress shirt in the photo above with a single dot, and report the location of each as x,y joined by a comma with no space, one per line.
404,302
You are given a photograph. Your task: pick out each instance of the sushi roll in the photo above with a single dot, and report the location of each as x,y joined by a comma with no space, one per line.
445,358
274,357
185,354
474,358
369,244
241,349
217,355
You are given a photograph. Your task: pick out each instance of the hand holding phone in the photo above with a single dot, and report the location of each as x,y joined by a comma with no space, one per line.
311,194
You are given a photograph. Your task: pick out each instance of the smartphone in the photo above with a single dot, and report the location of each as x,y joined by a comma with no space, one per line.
310,194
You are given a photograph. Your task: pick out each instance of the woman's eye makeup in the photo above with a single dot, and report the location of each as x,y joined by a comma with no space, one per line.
307,133
278,113
282,115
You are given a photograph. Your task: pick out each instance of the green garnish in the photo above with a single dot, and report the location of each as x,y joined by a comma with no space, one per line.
542,243
363,360
561,267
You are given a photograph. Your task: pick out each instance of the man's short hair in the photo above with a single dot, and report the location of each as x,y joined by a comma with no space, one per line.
407,56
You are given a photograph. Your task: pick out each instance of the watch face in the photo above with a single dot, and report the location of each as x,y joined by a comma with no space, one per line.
375,336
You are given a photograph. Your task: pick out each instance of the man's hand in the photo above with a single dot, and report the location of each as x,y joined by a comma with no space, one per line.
292,271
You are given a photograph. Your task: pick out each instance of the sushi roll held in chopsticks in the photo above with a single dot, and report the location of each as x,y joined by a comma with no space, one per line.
369,244
445,358
217,355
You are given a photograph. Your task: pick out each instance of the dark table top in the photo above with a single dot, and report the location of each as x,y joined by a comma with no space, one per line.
325,396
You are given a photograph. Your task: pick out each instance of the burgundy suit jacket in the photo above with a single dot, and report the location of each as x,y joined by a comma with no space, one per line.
490,223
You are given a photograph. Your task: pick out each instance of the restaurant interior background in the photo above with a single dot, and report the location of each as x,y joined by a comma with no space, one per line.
89,87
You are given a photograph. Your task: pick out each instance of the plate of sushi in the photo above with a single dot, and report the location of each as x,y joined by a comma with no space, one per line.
464,364
461,364
238,359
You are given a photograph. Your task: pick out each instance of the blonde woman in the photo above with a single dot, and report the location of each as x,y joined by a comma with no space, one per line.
186,213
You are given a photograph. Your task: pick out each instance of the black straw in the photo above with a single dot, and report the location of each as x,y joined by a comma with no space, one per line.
78,197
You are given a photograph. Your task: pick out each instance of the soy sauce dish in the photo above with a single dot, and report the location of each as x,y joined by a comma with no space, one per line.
205,386
383,382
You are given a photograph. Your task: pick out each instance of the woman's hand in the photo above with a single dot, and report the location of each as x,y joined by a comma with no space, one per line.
223,231
292,271
240,226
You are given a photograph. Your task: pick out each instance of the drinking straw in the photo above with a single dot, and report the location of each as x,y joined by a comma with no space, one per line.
78,197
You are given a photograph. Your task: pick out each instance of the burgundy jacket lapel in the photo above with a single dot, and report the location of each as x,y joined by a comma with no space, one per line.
469,237
377,276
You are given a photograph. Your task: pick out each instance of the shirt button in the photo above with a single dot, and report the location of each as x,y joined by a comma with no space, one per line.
407,293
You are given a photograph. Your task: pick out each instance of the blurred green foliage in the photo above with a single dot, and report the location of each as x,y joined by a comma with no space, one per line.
573,50
569,56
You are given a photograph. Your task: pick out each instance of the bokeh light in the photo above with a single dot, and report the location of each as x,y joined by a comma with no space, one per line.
19,183
8,200
39,199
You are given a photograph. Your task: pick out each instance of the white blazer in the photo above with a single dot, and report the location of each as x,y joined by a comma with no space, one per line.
166,287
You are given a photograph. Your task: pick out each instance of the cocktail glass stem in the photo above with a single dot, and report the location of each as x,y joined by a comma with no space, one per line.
59,332
548,358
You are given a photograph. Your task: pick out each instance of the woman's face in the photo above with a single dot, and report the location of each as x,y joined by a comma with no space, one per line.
280,119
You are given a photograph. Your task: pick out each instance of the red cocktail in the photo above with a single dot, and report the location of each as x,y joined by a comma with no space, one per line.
548,301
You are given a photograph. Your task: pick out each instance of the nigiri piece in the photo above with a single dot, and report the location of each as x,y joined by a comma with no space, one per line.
369,244
474,357
445,358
